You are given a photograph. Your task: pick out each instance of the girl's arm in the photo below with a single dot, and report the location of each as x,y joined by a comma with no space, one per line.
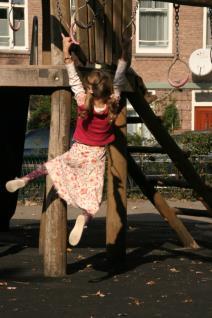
123,64
74,80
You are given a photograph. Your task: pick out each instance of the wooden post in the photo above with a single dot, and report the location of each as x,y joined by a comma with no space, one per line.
12,131
46,59
56,209
117,193
117,162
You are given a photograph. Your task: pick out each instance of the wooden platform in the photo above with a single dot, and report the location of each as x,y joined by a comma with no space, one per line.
33,76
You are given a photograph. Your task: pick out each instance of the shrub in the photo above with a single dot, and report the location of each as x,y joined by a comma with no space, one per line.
197,142
170,118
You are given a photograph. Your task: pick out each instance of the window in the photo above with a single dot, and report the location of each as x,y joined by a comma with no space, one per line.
13,14
208,28
154,27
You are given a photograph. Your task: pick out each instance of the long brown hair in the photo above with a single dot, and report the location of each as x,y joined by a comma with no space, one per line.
98,84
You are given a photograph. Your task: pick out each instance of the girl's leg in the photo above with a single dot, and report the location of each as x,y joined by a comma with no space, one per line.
18,183
76,232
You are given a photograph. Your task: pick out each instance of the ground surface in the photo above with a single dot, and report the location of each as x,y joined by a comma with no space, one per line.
158,279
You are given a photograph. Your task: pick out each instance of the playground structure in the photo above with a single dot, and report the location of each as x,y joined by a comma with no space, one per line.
99,46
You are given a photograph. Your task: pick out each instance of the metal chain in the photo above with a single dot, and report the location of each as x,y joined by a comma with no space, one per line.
81,24
133,17
59,13
135,10
210,18
177,9
163,97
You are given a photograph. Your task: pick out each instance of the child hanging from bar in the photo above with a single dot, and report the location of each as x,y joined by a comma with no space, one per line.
78,174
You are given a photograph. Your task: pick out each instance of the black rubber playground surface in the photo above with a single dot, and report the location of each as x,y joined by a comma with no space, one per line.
158,279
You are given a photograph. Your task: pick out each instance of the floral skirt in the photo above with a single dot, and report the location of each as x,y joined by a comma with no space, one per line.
78,176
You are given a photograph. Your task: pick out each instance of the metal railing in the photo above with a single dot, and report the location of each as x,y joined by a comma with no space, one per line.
154,166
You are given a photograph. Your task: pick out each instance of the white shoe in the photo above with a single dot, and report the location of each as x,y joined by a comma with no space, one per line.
15,184
77,231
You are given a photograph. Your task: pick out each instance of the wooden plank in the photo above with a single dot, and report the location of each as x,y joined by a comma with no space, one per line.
154,149
117,193
117,29
108,31
167,182
52,76
99,32
55,258
33,76
145,149
82,16
91,34
46,37
127,13
161,205
167,142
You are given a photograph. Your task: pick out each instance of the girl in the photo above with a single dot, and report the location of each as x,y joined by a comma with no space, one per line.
78,174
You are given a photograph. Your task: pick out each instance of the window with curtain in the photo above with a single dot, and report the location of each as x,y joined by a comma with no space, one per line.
12,15
154,26
208,29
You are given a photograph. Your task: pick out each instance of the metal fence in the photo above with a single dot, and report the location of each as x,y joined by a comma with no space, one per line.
151,165
34,190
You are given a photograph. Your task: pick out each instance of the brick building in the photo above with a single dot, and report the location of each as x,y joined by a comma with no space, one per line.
154,47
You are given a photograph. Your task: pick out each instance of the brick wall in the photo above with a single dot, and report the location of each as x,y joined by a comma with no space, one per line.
154,68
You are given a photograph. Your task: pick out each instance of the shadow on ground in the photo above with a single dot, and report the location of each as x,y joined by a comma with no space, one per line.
147,242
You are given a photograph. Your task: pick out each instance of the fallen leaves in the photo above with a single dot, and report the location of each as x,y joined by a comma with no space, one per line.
99,293
69,250
187,300
135,301
4,284
151,283
174,270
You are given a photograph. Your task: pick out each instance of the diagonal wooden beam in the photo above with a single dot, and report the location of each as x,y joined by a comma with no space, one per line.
143,109
168,213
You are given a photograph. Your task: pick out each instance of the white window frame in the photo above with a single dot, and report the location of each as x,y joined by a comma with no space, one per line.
157,50
194,104
205,14
135,128
139,128
11,46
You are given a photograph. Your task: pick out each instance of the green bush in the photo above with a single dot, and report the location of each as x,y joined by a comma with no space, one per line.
197,142
170,118
134,139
